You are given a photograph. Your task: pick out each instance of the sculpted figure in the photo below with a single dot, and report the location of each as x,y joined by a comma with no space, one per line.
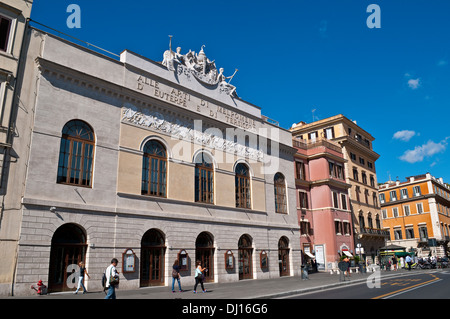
169,55
200,67
231,89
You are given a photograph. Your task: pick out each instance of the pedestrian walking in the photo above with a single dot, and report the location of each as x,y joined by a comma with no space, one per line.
176,275
394,262
83,272
314,265
347,261
408,262
305,272
199,276
112,279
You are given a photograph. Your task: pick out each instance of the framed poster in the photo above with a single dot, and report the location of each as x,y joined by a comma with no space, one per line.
183,260
128,261
320,256
229,260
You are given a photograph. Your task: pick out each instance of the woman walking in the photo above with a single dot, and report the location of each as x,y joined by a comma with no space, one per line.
199,277
81,278
176,275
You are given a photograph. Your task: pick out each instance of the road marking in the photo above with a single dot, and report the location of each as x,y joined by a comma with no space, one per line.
401,291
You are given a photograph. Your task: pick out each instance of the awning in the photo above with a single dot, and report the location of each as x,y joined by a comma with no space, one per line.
347,253
393,247
403,254
392,252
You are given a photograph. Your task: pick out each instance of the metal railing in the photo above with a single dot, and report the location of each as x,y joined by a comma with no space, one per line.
303,144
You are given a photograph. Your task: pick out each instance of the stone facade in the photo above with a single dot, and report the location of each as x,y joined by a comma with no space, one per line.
127,103
13,16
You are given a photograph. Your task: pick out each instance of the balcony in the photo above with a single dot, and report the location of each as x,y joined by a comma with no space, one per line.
357,138
304,145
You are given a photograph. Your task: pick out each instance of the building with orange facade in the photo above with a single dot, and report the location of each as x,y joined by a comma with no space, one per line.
417,214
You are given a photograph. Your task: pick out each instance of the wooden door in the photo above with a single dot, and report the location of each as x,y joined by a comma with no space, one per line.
67,251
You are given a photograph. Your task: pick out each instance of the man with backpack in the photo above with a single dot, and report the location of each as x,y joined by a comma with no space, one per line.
111,278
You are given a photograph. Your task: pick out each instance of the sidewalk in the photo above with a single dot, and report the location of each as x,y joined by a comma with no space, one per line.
246,289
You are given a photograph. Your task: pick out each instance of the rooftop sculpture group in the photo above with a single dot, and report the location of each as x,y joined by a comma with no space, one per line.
200,67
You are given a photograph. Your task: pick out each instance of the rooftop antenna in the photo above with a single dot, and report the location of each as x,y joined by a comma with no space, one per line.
170,42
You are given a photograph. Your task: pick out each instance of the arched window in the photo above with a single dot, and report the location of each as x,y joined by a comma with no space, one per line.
154,169
242,186
377,221
204,178
76,154
280,194
369,220
362,223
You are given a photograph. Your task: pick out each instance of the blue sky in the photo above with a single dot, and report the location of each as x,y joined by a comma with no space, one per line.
296,56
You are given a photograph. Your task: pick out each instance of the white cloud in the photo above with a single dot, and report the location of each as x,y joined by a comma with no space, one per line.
426,150
404,135
414,83
442,62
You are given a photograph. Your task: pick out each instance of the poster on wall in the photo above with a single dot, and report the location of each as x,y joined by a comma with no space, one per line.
320,257
128,261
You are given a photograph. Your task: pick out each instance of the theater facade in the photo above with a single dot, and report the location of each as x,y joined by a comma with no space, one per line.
147,162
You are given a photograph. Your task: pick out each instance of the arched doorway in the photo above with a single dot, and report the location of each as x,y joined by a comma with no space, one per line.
67,250
245,253
283,256
204,252
152,258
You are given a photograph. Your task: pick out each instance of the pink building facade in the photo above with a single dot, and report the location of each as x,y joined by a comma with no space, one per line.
323,207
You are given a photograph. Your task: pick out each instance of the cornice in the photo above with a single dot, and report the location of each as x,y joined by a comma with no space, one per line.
363,149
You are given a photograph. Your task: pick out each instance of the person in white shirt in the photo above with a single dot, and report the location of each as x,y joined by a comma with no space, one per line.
408,261
111,271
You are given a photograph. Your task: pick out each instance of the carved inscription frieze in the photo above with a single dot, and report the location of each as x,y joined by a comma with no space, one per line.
183,130
182,99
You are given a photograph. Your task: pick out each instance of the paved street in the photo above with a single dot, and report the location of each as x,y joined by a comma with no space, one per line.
414,285
285,287
266,298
